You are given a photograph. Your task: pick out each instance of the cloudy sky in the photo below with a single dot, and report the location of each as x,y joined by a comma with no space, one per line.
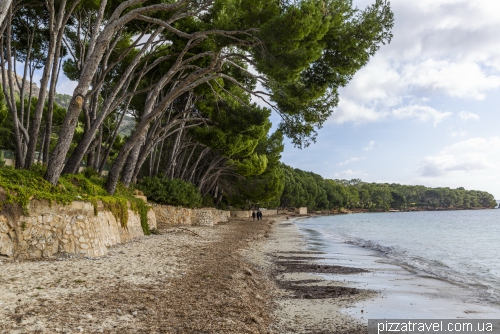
425,110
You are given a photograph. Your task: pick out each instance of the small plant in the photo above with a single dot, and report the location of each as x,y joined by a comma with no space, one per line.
23,226
90,172
2,159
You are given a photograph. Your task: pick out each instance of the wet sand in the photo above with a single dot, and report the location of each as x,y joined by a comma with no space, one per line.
404,294
307,302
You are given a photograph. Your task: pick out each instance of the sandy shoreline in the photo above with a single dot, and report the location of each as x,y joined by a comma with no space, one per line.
239,277
189,280
402,294
317,313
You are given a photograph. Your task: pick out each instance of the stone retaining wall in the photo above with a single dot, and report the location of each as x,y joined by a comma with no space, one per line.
50,229
209,217
76,229
171,215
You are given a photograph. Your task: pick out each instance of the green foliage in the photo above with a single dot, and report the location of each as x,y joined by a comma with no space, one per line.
171,192
23,185
207,201
253,165
3,105
7,139
5,123
267,186
311,190
311,49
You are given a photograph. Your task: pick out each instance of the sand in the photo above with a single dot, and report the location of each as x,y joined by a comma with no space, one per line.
189,280
231,278
303,315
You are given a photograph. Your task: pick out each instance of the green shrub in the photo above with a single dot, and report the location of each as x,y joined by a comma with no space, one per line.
171,192
208,201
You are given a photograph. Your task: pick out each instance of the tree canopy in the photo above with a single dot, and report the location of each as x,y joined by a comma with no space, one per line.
316,193
183,77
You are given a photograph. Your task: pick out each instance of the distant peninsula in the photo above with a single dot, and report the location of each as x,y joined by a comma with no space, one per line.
307,189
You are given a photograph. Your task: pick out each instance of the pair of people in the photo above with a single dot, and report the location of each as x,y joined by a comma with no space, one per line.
257,214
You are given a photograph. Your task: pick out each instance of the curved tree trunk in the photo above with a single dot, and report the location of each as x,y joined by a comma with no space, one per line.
96,51
187,161
52,91
56,26
9,95
128,172
110,141
158,159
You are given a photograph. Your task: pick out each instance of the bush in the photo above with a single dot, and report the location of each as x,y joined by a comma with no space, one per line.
207,201
171,192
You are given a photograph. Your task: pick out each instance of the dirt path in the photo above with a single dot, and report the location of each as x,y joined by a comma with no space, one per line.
181,281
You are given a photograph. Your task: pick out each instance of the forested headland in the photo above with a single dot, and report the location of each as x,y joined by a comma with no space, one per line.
313,191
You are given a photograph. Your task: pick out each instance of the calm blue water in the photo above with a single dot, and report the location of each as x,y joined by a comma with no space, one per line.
459,246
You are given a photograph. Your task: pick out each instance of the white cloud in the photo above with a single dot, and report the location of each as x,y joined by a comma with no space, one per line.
349,173
472,155
441,49
379,81
370,146
348,161
468,116
351,111
421,113
459,133
455,79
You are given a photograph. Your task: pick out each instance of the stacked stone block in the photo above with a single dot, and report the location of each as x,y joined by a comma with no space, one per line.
75,229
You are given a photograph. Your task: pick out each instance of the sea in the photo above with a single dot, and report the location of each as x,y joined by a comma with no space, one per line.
462,247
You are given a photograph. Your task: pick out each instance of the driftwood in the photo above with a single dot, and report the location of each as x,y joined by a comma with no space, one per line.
185,229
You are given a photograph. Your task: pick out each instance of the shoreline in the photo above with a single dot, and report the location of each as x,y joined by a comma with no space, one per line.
183,280
307,302
413,209
401,292
237,277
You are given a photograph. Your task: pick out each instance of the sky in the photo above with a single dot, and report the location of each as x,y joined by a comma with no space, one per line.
425,110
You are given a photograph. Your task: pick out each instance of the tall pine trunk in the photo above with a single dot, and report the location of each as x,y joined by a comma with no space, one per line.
4,9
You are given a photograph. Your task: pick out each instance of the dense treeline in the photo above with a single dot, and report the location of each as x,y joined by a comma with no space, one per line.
186,72
311,190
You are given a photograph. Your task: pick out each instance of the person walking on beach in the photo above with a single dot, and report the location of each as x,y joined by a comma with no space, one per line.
253,215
